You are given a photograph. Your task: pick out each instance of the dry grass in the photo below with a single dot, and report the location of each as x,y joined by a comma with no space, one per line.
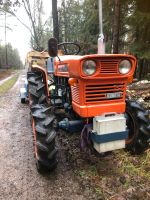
7,85
5,73
137,166
118,174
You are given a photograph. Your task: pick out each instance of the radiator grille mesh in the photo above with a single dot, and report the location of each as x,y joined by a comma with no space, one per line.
98,93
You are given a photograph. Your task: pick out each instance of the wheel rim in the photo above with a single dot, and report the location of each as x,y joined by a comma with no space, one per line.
131,127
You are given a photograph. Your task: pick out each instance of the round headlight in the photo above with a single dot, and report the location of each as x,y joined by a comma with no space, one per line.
124,66
89,67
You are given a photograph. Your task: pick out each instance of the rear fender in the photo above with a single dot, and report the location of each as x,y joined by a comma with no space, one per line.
44,73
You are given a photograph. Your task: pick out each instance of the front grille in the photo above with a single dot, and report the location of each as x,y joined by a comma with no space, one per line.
99,92
109,66
75,93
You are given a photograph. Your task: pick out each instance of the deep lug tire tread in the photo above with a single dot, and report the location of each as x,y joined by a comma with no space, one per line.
45,140
46,157
37,88
51,136
141,138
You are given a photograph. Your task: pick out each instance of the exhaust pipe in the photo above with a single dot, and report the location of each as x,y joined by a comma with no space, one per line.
101,43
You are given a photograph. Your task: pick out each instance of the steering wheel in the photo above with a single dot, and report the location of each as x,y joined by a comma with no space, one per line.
69,48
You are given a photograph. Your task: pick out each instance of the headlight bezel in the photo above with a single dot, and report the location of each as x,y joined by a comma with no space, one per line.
86,71
126,68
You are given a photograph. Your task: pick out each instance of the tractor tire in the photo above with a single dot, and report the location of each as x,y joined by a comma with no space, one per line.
37,89
44,138
23,100
138,125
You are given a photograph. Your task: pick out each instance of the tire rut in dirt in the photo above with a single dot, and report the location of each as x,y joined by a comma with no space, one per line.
138,125
37,89
45,138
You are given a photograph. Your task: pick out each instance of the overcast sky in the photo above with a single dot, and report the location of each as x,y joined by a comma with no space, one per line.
19,36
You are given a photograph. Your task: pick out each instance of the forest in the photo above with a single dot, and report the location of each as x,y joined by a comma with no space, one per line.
80,130
126,26
9,57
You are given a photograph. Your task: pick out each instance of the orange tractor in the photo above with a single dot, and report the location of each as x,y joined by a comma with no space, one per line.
91,92
85,94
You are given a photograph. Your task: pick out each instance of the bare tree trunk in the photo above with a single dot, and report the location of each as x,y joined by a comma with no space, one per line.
55,19
65,23
116,27
36,34
140,68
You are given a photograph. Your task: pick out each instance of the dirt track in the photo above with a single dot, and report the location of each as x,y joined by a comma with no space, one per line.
79,176
18,176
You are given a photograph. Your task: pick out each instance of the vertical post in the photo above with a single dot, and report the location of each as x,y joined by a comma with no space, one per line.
101,43
55,19
100,17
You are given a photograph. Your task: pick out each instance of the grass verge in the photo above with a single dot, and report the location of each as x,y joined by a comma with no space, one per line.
6,73
7,85
134,166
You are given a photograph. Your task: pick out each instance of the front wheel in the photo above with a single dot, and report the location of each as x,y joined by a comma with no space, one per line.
138,125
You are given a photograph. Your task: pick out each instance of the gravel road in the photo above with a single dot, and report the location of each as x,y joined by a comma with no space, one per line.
18,176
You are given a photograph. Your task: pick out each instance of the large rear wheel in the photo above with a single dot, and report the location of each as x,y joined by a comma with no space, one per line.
138,125
43,124
44,138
